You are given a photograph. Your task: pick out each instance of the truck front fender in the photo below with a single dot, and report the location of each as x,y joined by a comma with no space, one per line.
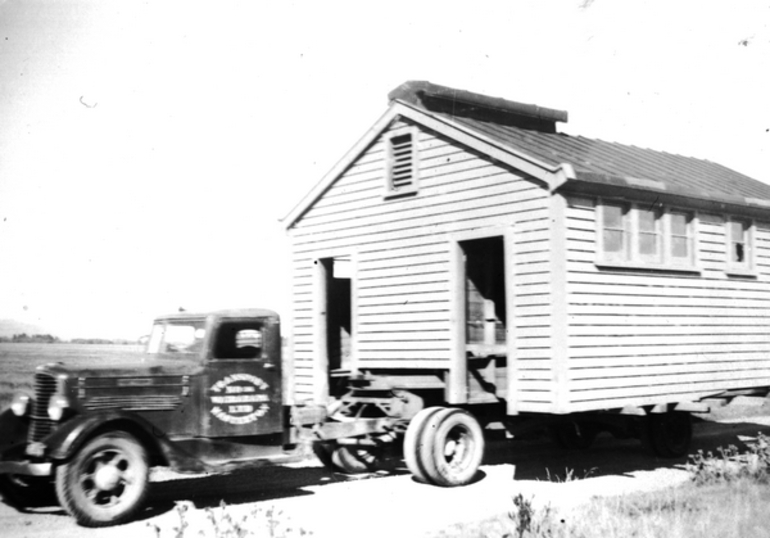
70,436
66,440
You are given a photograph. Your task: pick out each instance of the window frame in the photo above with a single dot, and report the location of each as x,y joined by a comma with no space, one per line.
747,267
632,257
390,190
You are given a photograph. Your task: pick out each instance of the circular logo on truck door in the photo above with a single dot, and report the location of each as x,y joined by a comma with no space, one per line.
239,399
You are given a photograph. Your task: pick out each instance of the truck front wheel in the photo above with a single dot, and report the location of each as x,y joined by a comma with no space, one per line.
106,481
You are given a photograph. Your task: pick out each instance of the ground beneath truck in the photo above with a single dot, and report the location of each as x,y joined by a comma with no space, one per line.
306,496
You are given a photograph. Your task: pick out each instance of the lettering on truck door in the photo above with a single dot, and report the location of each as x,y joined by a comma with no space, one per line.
243,381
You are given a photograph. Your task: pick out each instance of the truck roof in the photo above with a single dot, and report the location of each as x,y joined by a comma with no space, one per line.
227,313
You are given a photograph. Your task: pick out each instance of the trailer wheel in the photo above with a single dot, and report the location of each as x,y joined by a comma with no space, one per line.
106,482
323,451
346,459
413,440
354,460
574,434
452,447
670,433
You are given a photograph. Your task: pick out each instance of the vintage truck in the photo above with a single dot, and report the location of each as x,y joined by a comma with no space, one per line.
206,396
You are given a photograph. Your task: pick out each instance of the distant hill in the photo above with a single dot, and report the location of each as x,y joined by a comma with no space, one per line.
9,327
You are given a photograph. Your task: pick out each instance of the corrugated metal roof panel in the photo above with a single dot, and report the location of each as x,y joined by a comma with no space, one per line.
590,157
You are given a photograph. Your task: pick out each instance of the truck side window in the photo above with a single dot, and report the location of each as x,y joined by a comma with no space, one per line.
238,340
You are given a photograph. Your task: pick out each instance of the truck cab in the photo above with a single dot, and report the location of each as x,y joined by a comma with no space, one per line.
231,383
205,395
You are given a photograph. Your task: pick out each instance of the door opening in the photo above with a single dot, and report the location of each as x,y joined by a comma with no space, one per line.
338,330
486,316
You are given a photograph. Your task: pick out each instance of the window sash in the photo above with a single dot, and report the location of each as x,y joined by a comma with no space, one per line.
681,245
615,232
648,245
739,239
636,235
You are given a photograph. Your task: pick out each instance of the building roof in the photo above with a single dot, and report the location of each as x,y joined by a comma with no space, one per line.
593,161
526,137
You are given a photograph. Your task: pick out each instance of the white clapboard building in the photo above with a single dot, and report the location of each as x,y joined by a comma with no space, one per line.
464,245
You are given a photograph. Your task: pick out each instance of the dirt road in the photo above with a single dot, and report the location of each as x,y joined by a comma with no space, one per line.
325,504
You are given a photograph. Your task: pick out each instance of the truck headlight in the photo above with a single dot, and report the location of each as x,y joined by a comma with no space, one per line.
57,407
20,404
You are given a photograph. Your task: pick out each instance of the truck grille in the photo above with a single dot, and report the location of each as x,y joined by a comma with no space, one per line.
41,425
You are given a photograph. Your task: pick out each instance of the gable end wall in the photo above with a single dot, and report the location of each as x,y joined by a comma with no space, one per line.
401,249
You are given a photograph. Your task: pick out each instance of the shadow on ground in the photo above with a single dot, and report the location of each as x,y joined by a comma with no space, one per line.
540,459
535,458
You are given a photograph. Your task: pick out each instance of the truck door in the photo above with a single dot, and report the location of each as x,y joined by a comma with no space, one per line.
242,393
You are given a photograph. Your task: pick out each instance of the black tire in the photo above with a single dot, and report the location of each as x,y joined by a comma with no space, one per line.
452,447
323,451
106,481
413,440
345,459
354,460
23,492
574,434
669,434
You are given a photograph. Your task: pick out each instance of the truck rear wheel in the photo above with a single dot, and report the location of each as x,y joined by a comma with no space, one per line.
669,434
413,440
444,446
106,481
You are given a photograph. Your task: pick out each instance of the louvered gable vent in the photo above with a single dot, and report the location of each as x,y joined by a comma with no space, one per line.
401,164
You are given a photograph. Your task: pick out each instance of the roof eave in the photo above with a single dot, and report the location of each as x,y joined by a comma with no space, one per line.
612,185
550,176
346,161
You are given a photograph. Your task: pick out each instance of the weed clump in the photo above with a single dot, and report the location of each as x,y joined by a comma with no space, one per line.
731,465
527,521
223,523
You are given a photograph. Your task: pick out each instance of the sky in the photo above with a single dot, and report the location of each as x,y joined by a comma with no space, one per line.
148,150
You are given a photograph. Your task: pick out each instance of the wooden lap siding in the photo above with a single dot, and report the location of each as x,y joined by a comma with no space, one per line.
642,337
402,256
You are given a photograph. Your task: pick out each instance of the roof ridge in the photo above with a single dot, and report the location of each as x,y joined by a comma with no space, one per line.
463,103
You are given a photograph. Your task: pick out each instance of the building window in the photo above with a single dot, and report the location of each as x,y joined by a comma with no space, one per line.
649,235
615,232
739,245
640,236
681,248
401,164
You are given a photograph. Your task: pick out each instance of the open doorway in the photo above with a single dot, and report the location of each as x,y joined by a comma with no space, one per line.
486,316
338,319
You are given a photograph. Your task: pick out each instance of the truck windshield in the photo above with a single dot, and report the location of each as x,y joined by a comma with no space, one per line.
180,336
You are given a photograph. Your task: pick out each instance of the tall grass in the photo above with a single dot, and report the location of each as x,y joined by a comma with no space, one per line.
727,497
222,522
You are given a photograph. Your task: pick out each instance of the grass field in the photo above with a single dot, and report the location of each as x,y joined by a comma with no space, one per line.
18,362
725,510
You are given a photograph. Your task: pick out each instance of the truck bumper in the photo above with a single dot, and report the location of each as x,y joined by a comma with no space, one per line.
25,468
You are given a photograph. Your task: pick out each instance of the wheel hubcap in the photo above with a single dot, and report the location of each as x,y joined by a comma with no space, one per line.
456,448
106,478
